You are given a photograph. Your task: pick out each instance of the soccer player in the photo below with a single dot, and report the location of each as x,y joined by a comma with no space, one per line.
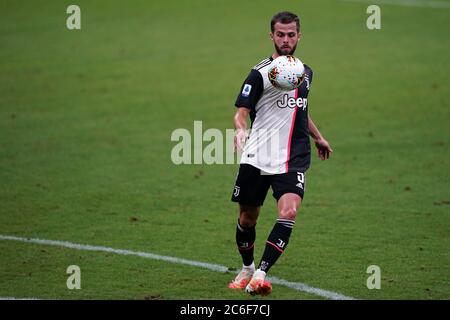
281,116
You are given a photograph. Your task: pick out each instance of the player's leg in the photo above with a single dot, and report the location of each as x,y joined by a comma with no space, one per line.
288,190
278,239
245,240
250,191
245,232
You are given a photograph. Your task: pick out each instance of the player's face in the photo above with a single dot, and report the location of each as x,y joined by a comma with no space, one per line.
285,38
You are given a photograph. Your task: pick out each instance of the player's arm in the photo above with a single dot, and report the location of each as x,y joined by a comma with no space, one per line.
240,124
246,101
323,147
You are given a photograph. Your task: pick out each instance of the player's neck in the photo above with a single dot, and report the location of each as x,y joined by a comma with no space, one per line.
276,55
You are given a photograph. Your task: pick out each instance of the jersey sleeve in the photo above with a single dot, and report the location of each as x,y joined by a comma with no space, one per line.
310,76
251,91
309,73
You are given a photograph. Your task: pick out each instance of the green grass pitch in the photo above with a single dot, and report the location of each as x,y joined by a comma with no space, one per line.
85,123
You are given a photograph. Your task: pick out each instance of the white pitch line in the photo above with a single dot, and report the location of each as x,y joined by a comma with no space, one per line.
214,267
408,3
14,298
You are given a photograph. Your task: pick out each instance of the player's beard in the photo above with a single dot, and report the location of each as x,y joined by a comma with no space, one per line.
283,52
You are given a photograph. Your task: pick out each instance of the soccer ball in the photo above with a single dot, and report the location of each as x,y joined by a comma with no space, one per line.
286,73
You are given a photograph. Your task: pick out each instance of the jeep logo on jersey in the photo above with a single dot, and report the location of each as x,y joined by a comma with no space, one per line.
292,102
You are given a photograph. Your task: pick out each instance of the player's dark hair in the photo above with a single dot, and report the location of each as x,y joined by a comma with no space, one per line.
285,17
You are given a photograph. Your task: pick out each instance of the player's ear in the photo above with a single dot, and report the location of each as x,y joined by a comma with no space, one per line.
271,36
299,36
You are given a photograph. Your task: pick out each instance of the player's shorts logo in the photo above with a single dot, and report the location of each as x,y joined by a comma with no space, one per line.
301,179
236,191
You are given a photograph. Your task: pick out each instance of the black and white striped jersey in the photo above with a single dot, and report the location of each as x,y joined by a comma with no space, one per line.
279,136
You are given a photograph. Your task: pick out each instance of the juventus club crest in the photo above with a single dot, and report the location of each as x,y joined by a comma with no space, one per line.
236,191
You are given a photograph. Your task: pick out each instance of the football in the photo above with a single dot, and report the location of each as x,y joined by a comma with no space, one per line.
286,73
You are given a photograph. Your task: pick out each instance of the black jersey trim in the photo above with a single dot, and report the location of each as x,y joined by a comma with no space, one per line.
262,66
263,63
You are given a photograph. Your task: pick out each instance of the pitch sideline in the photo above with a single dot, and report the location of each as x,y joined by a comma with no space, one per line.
434,4
214,267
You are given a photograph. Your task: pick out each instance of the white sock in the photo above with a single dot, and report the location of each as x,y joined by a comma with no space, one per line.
259,274
251,267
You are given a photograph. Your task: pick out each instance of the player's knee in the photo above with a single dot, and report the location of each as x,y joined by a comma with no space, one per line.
248,217
247,220
288,213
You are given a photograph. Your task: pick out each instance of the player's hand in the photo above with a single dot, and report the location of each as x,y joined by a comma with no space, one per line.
239,140
323,148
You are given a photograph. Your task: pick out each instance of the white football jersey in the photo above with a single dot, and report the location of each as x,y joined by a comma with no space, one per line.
279,136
